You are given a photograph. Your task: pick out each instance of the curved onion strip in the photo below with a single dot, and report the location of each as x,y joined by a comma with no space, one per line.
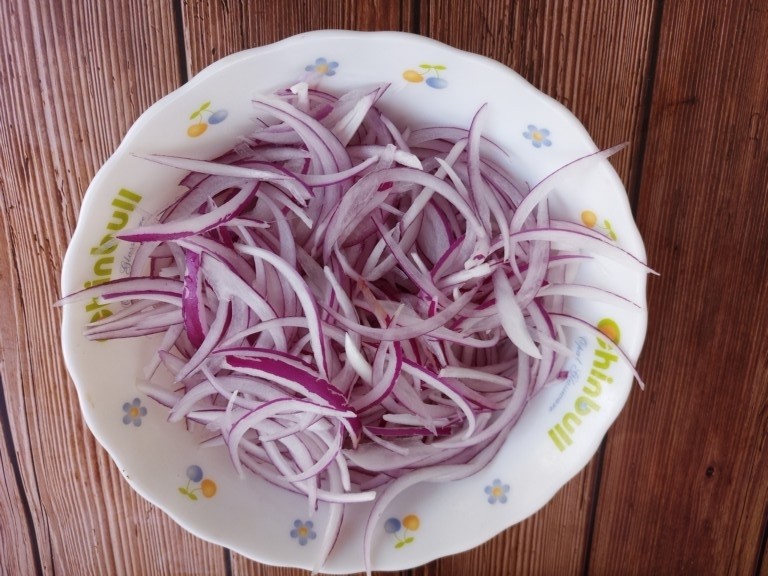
195,224
301,289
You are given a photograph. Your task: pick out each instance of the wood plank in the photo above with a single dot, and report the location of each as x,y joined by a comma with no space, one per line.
685,486
75,75
216,29
592,57
18,551
762,568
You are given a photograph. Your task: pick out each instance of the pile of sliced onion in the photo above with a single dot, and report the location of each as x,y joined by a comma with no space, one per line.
350,309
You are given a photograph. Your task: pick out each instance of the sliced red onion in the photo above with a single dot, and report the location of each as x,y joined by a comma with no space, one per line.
213,168
511,316
346,305
196,224
550,183
299,286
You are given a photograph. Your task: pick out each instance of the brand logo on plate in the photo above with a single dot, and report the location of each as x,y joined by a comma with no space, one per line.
123,203
599,375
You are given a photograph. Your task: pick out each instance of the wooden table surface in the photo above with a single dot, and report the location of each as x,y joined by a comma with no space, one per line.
680,484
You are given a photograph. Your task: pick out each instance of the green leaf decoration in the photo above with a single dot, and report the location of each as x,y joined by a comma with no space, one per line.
408,540
195,114
205,105
438,67
183,491
425,66
191,496
399,544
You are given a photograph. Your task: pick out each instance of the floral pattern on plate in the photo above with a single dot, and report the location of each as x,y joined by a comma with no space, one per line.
205,116
497,492
538,136
429,74
323,67
591,220
303,531
198,483
399,529
133,412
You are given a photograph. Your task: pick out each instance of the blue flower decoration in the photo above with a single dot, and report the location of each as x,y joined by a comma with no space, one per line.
303,531
538,136
323,67
134,412
195,473
392,526
497,492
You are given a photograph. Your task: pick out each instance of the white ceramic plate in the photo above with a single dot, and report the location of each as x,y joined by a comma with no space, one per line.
431,84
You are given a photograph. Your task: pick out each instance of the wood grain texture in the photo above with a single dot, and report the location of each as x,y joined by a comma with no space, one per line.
17,547
216,29
69,95
685,487
762,566
681,486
